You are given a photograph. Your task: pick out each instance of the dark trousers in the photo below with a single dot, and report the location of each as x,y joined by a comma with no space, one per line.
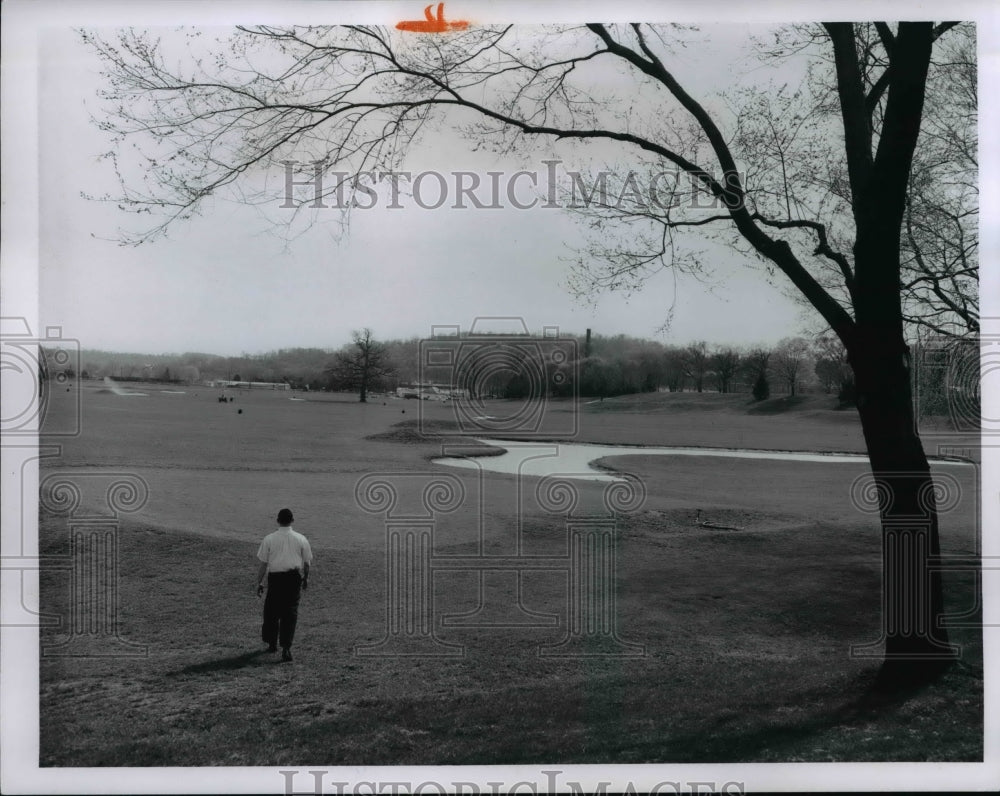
281,607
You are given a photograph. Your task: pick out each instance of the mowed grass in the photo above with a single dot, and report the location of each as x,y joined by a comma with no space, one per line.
746,632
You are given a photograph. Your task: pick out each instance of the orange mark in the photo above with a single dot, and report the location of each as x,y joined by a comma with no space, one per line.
432,24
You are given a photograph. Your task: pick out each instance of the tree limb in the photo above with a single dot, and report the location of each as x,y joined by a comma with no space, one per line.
854,112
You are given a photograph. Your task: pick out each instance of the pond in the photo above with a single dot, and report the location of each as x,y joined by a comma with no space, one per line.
577,459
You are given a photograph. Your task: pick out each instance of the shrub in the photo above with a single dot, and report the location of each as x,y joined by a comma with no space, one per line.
761,389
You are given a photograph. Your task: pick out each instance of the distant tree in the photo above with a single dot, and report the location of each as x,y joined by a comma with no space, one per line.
607,376
594,378
188,373
828,373
674,369
649,361
363,365
725,363
761,389
696,363
405,356
947,382
788,361
833,368
517,379
755,367
519,388
561,376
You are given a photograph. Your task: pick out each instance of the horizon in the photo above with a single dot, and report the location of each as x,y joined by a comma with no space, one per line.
332,350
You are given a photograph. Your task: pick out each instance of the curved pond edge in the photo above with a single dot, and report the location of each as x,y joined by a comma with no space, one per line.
577,459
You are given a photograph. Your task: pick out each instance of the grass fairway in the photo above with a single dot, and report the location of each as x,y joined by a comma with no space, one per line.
746,632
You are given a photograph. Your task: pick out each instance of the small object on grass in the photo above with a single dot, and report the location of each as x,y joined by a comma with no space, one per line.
239,411
706,524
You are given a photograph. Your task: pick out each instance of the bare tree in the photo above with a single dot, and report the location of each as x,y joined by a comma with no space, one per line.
828,374
354,98
789,361
696,363
725,363
363,365
674,369
756,364
791,178
649,364
833,368
940,242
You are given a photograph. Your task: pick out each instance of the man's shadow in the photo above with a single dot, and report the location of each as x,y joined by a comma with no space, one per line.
226,664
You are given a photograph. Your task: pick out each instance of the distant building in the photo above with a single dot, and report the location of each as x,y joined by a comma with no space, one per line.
431,392
249,385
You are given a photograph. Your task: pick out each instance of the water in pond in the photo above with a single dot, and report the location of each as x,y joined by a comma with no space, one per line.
576,459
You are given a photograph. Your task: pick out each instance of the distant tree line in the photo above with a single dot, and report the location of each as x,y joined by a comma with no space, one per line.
300,367
591,367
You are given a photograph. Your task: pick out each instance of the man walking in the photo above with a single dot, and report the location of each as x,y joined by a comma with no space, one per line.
284,557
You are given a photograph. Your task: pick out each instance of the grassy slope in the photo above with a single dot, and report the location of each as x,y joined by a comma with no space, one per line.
746,632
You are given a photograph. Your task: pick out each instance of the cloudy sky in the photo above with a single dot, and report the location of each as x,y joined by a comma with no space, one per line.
228,281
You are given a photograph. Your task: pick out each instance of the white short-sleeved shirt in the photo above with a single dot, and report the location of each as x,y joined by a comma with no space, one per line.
285,549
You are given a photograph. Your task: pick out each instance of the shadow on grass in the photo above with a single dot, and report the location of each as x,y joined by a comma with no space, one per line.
857,721
226,664
774,406
875,701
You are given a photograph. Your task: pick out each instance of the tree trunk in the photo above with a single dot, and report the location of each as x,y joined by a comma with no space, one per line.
916,643
915,640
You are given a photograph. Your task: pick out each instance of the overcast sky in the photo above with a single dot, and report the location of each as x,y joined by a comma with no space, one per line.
227,282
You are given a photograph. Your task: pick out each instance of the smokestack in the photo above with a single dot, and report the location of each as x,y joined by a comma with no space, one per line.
586,346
